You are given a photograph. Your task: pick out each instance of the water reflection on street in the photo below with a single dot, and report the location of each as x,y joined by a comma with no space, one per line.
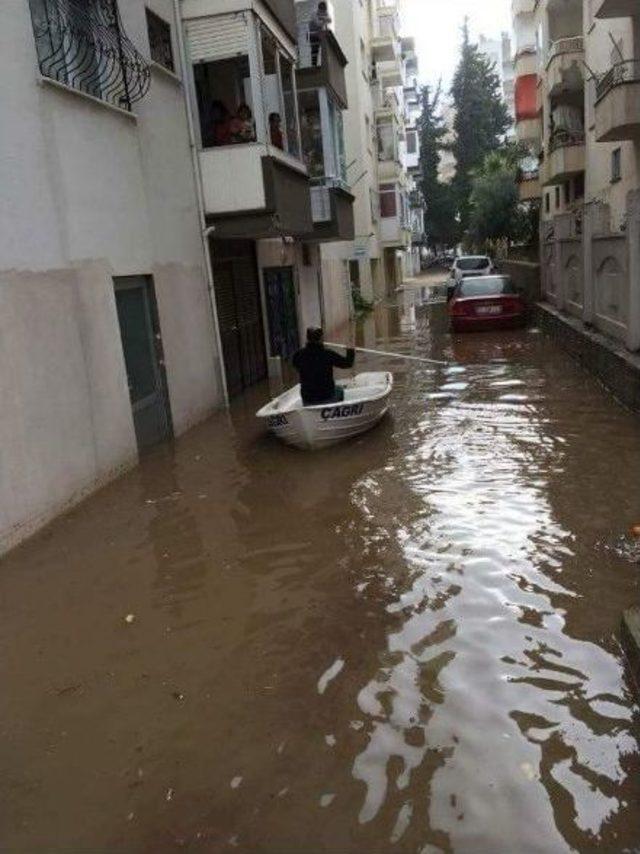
407,643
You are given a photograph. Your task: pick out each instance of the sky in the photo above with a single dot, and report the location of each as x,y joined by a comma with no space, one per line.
435,24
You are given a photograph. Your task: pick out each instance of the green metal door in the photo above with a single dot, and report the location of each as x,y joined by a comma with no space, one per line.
142,347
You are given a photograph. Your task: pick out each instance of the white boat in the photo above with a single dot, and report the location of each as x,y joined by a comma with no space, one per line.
366,399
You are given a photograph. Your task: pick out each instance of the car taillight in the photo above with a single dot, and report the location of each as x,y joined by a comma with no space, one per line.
459,308
512,304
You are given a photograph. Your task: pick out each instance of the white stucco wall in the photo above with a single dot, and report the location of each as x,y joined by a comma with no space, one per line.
87,194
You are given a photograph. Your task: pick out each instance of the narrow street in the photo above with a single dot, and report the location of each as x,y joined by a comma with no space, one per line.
407,643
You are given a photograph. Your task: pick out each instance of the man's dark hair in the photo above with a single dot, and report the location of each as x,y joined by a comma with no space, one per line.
314,335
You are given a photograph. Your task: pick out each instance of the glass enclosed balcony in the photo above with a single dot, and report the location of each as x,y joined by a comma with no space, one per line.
324,156
244,89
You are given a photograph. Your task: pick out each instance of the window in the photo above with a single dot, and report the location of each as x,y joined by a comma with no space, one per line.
387,140
473,262
578,186
547,202
616,165
388,201
557,197
225,101
412,142
487,286
245,84
82,44
287,79
159,33
279,96
311,134
567,192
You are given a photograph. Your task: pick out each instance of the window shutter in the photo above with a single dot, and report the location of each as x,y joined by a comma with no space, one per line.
218,37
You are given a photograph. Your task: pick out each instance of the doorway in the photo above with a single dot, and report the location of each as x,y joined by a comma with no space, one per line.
235,276
143,357
282,311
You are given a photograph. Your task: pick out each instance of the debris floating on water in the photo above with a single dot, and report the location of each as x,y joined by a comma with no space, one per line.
129,618
169,795
330,740
327,800
330,674
236,782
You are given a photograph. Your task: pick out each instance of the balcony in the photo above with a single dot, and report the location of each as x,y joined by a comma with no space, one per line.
255,191
529,131
385,44
618,103
332,212
566,158
565,67
617,9
387,106
522,7
526,61
390,73
322,66
529,186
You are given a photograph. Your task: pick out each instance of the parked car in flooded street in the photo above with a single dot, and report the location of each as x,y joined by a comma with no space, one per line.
468,266
486,302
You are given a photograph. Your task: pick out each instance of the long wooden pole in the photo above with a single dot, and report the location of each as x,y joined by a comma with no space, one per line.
390,355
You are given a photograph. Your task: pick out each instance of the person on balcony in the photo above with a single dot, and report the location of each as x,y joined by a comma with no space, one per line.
320,21
275,130
242,128
315,364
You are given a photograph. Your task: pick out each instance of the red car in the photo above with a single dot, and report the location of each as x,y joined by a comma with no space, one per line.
486,302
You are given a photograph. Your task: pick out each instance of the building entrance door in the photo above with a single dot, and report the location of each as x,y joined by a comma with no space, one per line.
235,278
284,337
143,358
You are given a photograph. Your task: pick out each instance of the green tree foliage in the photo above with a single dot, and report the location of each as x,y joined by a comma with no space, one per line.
439,201
481,118
495,211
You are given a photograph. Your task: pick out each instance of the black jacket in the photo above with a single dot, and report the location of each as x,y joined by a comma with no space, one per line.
315,365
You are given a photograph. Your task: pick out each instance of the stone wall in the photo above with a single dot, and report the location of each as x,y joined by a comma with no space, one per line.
526,276
591,271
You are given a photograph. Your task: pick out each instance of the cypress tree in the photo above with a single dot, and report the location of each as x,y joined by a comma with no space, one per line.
439,204
481,118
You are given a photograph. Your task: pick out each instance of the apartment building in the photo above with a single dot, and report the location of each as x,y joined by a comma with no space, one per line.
107,330
267,91
413,110
578,108
172,175
379,255
499,52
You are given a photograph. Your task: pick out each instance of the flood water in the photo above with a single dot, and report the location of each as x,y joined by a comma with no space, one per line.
405,644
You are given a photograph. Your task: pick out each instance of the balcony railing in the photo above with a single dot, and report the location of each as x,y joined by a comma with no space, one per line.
565,139
575,44
525,175
83,45
622,72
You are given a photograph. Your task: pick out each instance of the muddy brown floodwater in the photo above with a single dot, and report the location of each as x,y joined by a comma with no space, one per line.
404,644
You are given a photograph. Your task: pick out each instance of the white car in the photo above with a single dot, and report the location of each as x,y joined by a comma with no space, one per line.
470,265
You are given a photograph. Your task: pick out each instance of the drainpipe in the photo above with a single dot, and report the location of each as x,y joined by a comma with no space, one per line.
205,231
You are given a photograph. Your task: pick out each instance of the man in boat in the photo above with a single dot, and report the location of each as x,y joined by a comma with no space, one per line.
315,364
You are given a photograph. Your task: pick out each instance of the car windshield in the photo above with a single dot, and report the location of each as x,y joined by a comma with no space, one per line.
487,286
472,263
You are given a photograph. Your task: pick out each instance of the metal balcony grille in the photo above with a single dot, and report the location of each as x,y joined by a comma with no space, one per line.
82,44
565,139
622,72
